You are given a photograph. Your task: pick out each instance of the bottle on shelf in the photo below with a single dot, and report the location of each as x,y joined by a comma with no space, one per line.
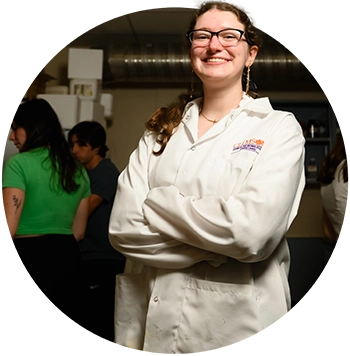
313,129
312,169
322,128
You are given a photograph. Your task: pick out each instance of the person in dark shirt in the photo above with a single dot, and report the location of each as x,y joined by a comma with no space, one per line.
100,262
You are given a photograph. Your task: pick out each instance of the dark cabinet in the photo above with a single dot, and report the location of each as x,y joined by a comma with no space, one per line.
319,126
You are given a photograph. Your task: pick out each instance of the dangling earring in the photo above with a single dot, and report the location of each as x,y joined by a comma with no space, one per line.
247,80
192,85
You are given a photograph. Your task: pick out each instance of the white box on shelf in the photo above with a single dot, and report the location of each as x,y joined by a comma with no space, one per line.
106,100
85,63
86,89
67,108
92,111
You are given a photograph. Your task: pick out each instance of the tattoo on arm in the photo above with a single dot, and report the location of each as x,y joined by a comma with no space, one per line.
16,202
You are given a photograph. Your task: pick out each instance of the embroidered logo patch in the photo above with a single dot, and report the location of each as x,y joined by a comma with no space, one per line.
253,145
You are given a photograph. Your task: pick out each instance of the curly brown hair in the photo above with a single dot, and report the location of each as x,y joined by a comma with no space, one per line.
166,119
251,33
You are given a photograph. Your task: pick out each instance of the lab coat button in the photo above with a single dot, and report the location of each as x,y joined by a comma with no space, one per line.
193,148
155,299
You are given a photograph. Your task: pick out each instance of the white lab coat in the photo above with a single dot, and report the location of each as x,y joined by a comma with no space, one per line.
334,197
204,226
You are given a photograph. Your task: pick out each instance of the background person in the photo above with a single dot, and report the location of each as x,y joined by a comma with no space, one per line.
333,175
204,204
100,262
45,193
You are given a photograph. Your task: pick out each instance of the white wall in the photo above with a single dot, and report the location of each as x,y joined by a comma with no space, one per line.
131,109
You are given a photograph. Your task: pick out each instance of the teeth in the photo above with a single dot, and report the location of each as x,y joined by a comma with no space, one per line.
216,60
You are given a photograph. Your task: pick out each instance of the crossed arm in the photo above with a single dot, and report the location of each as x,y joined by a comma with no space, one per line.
160,227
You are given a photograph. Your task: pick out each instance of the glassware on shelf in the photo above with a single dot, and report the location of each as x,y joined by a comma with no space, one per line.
322,129
312,129
312,169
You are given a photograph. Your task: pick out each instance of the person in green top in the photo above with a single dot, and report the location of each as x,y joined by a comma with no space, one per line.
45,195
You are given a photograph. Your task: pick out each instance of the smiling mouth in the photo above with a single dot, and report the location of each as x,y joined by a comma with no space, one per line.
216,60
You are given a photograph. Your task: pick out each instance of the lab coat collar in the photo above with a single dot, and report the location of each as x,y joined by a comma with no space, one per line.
260,106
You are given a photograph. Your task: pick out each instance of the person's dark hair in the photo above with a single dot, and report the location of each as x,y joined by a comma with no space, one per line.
92,133
330,163
43,129
166,119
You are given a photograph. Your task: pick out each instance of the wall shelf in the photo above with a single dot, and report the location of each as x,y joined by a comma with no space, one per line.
324,140
317,119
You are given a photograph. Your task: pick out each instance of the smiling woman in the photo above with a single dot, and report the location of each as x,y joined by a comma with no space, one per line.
201,210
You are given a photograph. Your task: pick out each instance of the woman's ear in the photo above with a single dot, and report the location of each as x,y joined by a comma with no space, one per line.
253,51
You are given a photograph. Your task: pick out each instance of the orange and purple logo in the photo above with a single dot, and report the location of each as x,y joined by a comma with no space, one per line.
253,145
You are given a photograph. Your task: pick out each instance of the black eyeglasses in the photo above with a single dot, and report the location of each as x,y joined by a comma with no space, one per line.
227,37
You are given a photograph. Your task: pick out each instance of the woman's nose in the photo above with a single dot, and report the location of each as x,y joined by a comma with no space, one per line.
74,149
12,136
214,44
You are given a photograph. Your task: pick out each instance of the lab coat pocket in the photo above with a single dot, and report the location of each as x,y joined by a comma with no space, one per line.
131,295
228,174
216,315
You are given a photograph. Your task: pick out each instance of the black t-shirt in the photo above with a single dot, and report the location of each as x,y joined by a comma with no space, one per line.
103,182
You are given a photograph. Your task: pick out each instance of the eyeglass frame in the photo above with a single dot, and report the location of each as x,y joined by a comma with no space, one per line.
212,33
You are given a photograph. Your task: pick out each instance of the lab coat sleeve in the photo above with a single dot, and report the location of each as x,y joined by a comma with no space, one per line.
249,225
341,194
132,235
